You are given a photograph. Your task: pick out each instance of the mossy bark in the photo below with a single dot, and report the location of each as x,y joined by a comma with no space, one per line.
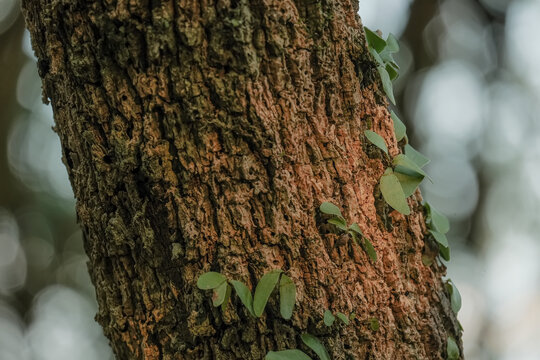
203,135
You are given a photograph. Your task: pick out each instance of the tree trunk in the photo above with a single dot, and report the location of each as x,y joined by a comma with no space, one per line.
203,136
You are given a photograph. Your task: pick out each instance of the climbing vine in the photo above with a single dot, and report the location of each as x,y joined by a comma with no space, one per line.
398,182
402,179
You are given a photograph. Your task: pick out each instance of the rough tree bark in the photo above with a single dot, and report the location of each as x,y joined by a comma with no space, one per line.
203,135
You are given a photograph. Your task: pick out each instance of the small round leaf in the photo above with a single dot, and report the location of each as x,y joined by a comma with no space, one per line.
244,294
340,223
376,140
440,238
405,165
220,294
315,344
374,40
393,193
210,280
370,250
287,296
374,324
392,44
452,349
330,209
399,127
263,291
455,296
438,220
409,184
387,83
416,156
329,318
445,252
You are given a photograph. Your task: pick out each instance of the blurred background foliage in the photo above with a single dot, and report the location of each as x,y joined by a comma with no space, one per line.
468,92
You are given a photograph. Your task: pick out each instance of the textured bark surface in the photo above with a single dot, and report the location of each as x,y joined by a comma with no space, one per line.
203,135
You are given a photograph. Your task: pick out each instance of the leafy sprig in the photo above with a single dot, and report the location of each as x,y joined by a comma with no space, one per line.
354,230
329,318
438,226
255,304
383,52
401,181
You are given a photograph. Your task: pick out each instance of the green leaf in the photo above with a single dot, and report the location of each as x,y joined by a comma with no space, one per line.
445,252
220,293
403,164
355,236
329,318
374,40
388,59
374,324
393,193
399,127
339,222
376,140
287,296
354,227
330,209
452,350
416,156
440,238
356,232
393,64
376,56
455,296
392,45
287,355
408,183
341,316
263,291
210,280
438,220
227,297
391,72
370,250
244,294
315,344
387,83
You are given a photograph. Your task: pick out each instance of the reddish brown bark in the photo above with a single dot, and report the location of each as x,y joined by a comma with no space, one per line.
203,135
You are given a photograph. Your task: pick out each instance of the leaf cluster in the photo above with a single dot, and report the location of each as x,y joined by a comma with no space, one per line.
354,230
383,52
255,304
438,226
329,318
401,181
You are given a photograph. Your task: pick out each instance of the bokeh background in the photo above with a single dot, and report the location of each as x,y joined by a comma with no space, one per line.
468,92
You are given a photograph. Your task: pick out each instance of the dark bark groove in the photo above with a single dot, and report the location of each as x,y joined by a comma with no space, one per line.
203,135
